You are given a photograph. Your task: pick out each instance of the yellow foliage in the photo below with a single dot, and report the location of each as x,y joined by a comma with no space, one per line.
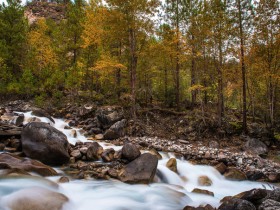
43,55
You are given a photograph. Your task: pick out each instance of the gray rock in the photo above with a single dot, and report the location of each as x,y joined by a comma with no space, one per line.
12,162
254,196
109,115
76,154
235,174
274,195
94,151
269,205
141,170
130,151
108,155
19,120
256,146
45,143
34,198
115,131
236,204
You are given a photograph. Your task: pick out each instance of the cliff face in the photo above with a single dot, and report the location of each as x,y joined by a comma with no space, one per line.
42,9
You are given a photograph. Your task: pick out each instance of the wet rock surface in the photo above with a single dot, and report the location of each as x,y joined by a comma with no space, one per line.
141,170
8,161
43,142
35,198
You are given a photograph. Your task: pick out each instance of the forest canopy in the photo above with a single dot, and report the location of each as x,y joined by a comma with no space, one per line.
179,54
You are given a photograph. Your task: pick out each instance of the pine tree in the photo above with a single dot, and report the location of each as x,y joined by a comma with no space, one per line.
13,28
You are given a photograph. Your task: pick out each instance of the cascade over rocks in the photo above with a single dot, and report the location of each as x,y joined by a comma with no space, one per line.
45,143
141,170
8,161
42,113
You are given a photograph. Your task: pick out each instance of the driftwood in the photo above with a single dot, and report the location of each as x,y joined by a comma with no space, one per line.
9,130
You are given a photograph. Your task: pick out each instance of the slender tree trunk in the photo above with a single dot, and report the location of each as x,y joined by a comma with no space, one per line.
220,84
118,73
205,97
193,93
177,71
133,66
243,69
165,86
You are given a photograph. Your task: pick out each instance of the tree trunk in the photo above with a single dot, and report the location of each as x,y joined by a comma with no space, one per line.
177,70
193,93
243,69
220,84
118,73
133,66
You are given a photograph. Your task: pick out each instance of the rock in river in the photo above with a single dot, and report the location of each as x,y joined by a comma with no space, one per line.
130,151
141,170
35,198
11,162
45,143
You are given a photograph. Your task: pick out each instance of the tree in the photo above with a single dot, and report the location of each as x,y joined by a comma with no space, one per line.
135,14
243,17
265,50
42,60
13,28
220,32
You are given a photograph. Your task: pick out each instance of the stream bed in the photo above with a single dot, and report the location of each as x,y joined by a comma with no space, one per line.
171,191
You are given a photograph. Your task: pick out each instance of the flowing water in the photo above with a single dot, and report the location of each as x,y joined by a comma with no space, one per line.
171,192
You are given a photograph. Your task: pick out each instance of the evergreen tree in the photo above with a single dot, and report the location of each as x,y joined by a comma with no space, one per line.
13,28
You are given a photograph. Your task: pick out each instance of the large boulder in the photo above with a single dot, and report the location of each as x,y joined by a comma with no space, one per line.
108,115
45,143
236,204
254,196
35,198
255,146
8,161
116,130
130,151
141,170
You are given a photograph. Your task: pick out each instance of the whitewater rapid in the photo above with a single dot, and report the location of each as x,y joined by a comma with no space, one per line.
171,192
